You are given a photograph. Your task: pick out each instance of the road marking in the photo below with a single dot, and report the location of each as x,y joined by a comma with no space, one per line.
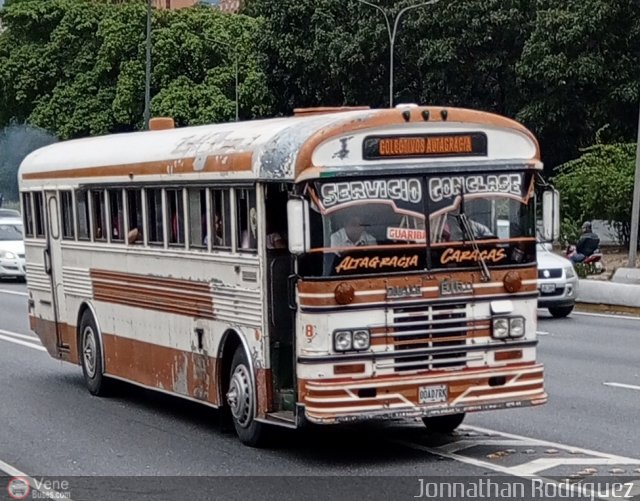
49,493
23,336
546,443
533,469
622,385
22,343
605,315
542,333
6,291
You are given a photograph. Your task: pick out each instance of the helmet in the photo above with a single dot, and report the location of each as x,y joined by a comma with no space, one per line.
586,226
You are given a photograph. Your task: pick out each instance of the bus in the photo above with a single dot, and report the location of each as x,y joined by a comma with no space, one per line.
338,265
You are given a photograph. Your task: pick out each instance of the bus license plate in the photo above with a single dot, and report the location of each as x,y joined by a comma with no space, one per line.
547,288
433,394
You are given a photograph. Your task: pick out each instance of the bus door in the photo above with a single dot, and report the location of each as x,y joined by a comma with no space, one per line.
53,263
280,315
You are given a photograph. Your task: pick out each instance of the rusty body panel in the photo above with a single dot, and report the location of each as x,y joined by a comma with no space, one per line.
347,399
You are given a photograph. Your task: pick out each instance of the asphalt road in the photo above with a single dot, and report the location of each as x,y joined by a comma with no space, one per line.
51,426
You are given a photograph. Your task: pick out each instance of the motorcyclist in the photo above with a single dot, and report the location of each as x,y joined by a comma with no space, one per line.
588,243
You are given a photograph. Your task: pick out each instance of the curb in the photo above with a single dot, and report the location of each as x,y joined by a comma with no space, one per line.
608,293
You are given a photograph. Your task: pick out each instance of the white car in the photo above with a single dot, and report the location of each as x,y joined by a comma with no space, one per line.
12,262
557,282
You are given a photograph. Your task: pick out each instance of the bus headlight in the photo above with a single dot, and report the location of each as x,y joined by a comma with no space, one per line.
361,340
357,340
516,327
342,340
500,328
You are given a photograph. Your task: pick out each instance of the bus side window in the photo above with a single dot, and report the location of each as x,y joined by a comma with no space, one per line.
66,203
27,211
134,216
38,206
175,217
82,208
116,215
154,216
246,219
99,215
197,201
221,219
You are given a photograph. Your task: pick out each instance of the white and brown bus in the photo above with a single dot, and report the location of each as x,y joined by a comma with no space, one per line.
337,265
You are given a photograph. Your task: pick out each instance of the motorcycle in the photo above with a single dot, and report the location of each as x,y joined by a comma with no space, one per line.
590,265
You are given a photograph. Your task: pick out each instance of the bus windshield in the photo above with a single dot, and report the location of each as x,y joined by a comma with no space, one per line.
380,225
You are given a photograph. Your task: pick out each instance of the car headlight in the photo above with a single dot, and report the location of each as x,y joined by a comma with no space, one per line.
7,255
516,327
342,340
570,272
361,340
500,328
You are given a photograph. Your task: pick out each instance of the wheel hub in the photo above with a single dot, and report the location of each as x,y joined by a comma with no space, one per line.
89,351
240,396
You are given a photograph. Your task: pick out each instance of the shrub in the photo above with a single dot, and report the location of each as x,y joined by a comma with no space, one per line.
598,185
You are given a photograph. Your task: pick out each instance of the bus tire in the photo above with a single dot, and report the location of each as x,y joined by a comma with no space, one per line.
91,356
241,399
443,424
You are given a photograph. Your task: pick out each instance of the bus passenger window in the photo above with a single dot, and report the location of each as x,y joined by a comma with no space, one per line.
27,212
154,216
247,219
175,217
134,215
82,208
221,219
38,206
197,200
66,202
116,215
99,215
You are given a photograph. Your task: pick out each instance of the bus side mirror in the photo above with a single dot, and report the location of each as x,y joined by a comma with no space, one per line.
298,222
551,215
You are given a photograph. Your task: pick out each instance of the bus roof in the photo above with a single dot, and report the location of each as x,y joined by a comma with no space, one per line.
278,148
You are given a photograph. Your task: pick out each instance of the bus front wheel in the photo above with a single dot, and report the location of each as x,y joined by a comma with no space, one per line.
443,424
91,356
241,399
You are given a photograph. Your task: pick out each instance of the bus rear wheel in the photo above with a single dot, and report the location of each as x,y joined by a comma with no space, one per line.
91,356
241,399
443,424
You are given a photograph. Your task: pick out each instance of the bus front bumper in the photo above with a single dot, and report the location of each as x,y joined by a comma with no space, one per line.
410,396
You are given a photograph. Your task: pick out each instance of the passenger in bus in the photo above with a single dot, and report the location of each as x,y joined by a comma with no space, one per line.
133,236
352,234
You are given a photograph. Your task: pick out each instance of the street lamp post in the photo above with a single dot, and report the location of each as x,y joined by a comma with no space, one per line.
216,3
392,35
235,70
147,71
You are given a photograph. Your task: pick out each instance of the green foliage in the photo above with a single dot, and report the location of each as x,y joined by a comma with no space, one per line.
76,67
598,185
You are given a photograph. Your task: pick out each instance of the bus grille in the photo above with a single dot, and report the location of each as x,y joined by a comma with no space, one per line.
436,326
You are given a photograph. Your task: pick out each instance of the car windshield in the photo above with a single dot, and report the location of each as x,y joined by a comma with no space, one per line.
10,232
378,225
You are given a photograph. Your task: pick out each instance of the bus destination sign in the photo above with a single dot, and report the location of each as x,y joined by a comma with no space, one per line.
425,145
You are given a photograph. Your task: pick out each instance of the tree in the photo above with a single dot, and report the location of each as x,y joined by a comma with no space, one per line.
598,185
76,67
580,71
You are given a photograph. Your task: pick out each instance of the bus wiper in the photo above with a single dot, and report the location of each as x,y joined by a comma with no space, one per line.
466,228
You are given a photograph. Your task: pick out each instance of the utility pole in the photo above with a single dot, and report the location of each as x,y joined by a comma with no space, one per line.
147,71
635,208
392,35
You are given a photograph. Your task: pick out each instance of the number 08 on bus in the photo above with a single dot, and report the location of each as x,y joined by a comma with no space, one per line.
338,265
